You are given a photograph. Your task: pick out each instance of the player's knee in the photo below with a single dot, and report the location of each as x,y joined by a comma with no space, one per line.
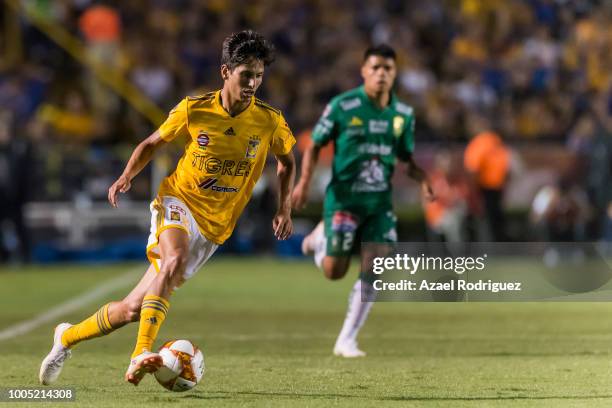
173,266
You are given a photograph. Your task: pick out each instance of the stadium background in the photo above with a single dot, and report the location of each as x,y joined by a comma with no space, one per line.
81,82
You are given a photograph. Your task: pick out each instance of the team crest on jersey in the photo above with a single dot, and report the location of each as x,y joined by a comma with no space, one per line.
203,139
175,216
398,125
252,147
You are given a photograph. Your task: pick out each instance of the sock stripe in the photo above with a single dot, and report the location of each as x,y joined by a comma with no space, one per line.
106,318
163,304
155,303
100,321
153,298
154,308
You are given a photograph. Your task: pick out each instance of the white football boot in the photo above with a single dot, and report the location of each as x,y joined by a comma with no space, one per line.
145,362
348,349
311,241
52,365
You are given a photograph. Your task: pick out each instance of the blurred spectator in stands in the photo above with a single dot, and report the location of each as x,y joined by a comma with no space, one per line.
446,215
487,160
599,176
15,158
153,77
560,212
101,27
71,121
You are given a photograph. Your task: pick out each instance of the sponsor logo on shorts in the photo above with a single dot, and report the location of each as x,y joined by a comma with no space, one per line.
174,207
210,184
343,221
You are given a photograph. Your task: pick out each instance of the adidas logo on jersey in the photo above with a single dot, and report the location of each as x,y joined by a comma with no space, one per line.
355,121
230,132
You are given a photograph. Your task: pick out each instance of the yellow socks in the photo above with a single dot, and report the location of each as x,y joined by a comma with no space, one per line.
152,315
96,325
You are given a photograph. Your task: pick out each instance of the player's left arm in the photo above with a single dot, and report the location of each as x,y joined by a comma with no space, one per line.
405,153
281,146
416,173
282,224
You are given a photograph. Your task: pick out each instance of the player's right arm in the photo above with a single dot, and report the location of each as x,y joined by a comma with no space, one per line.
175,125
141,156
324,131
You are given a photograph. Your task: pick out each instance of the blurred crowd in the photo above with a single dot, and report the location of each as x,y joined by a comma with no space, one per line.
535,65
539,70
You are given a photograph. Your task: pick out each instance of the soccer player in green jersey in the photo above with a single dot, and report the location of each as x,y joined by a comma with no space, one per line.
370,129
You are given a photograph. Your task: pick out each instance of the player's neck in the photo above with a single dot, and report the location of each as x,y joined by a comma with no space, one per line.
233,106
380,99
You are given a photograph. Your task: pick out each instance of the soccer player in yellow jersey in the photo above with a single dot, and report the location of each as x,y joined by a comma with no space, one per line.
229,134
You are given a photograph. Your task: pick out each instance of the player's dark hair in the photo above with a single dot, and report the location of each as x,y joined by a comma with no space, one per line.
381,50
240,47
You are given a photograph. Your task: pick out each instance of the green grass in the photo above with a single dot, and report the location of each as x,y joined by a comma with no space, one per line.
267,328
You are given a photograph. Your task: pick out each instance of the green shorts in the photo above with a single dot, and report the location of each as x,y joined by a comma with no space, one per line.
342,227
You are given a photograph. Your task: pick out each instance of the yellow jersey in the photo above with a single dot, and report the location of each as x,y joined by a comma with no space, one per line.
223,159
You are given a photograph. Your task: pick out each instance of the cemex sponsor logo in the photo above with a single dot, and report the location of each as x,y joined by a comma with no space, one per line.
210,184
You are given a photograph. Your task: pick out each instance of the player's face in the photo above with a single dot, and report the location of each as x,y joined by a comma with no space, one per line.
244,79
378,73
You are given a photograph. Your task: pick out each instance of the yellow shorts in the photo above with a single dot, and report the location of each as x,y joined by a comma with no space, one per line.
170,212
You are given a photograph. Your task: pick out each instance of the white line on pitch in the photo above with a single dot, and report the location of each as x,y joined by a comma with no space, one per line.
72,304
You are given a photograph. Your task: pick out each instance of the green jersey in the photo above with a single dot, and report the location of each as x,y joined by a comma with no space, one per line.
367,142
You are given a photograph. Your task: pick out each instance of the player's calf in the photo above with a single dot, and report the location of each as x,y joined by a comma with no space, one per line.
125,311
335,267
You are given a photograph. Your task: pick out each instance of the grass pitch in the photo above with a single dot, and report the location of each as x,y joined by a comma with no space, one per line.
267,328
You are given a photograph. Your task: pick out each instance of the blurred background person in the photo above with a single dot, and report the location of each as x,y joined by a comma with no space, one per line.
560,212
15,161
487,161
446,216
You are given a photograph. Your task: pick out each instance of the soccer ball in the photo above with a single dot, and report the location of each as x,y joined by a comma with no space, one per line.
183,365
